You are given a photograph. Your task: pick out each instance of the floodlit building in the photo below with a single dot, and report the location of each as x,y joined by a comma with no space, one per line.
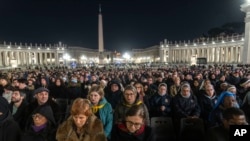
233,49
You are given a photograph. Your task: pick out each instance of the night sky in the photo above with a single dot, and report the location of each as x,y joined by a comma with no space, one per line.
127,23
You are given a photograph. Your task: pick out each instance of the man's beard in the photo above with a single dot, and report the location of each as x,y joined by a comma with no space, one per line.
16,100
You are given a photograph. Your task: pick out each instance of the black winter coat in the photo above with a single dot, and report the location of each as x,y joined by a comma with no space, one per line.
47,134
185,107
9,129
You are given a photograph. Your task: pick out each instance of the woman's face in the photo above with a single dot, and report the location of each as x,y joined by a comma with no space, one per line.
196,83
138,88
94,97
80,120
162,90
43,81
58,82
145,88
134,123
186,91
129,96
39,119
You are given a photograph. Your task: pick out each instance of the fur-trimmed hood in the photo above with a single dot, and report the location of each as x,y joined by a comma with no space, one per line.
92,131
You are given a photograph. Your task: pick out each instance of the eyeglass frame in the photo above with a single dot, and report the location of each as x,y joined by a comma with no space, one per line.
136,125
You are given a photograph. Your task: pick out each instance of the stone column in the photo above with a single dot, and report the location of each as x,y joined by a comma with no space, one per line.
18,58
169,56
41,58
5,58
226,55
236,54
45,58
1,59
161,54
220,54
231,57
179,55
51,58
35,58
245,51
215,55
188,55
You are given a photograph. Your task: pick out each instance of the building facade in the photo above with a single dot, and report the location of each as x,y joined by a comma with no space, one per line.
233,49
218,50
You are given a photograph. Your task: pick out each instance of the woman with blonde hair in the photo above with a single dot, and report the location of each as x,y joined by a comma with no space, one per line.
101,108
82,125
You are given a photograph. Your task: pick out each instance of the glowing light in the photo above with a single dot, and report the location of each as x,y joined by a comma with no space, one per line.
66,56
83,57
126,56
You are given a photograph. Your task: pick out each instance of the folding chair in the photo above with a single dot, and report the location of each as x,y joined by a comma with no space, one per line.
191,129
163,128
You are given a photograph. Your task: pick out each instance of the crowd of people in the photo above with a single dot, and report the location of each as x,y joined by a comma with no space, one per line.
91,104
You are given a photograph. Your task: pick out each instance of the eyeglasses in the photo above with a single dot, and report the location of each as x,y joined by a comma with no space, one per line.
136,125
37,116
129,95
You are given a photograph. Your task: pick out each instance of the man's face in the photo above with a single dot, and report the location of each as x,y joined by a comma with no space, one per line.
236,120
16,97
15,83
21,85
150,81
42,97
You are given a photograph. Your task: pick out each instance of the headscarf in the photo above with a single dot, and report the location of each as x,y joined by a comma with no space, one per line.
222,97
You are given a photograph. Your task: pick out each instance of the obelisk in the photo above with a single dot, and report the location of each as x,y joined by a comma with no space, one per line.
100,36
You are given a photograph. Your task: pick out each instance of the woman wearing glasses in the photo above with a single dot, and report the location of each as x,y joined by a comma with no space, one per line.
133,127
41,126
130,98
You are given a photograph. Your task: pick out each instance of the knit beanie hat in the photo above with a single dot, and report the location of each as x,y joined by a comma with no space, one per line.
46,111
244,81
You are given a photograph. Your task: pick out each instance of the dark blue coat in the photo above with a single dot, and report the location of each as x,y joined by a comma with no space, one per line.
185,107
156,101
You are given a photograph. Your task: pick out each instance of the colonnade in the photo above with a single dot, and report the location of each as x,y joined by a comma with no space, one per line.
216,54
10,57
